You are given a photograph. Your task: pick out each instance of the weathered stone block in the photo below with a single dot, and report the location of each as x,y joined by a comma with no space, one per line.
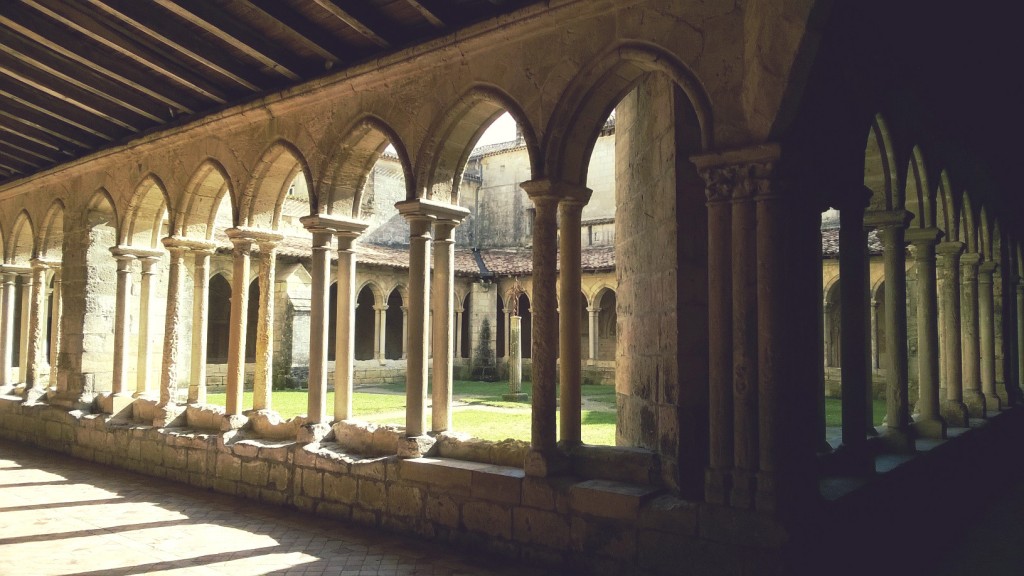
277,477
312,483
669,514
490,519
404,500
609,538
340,488
245,448
498,484
607,499
255,472
540,527
228,467
442,509
371,494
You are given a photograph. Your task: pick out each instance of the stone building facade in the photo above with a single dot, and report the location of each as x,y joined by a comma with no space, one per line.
737,126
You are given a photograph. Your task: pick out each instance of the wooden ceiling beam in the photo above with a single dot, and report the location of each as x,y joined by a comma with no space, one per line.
430,12
316,39
207,16
58,110
357,23
61,131
70,16
16,127
11,153
27,146
145,21
31,55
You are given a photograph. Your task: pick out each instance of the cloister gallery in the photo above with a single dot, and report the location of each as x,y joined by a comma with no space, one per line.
725,211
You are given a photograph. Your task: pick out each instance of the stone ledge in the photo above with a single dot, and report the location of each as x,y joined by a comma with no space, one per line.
609,499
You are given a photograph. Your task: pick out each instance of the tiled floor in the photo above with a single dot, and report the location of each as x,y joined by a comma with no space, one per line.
61,516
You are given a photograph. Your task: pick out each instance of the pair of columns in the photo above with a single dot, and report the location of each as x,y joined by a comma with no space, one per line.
593,339
555,203
380,331
32,344
425,216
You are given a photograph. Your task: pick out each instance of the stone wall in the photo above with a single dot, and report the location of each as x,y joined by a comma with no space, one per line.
470,494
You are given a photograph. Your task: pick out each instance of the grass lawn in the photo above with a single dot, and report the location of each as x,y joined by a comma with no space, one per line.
834,414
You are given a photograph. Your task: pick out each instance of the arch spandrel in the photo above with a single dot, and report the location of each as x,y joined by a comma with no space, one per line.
968,224
590,98
945,209
452,138
880,168
919,194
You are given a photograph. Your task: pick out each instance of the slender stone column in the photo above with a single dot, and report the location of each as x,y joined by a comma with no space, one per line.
543,457
508,334
321,263
954,411
143,363
443,303
876,362
987,335
929,422
592,336
1020,334
121,319
853,292
55,327
7,327
570,211
458,334
345,326
263,382
239,314
718,476
892,228
379,331
973,397
36,333
405,332
419,289
200,323
744,347
173,329
26,318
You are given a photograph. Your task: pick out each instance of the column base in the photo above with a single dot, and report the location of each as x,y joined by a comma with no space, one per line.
975,402
744,488
415,446
73,401
955,413
35,395
312,433
117,405
717,483
895,440
930,427
543,464
993,404
169,415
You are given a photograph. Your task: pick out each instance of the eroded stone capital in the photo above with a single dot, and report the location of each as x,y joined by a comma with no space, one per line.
421,208
887,219
950,248
738,175
545,190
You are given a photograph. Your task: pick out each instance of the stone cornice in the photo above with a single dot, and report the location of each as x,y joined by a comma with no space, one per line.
333,224
431,209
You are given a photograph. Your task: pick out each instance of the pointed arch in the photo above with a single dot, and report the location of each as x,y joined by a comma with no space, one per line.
148,212
968,224
919,199
879,167
583,108
204,209
52,238
279,165
945,216
375,289
354,155
454,135
598,292
22,247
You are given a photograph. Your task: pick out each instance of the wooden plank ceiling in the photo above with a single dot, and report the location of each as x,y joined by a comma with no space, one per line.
80,75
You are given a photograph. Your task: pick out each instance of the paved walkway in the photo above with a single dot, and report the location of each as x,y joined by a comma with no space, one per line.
62,516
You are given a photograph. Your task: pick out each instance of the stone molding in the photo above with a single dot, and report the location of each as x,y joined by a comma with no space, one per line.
737,175
431,209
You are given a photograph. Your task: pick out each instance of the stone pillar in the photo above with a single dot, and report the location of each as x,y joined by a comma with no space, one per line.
379,331
987,336
144,370
570,211
954,411
443,304
26,318
7,327
55,326
239,316
543,459
592,337
515,360
853,293
892,228
876,360
405,332
744,346
929,422
419,329
973,397
37,321
345,326
458,334
263,383
200,322
321,264
173,329
718,477
121,320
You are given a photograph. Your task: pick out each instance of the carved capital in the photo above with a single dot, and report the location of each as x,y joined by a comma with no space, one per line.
739,174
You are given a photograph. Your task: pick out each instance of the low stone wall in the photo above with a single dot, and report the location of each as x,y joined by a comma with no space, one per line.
595,526
834,384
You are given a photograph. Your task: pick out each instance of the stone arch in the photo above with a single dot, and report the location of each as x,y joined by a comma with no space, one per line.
585,105
945,209
987,239
51,240
101,205
879,167
22,247
525,325
344,177
219,320
467,343
968,224
596,292
205,193
607,332
833,329
919,198
367,297
146,215
443,157
375,289
394,318
278,166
